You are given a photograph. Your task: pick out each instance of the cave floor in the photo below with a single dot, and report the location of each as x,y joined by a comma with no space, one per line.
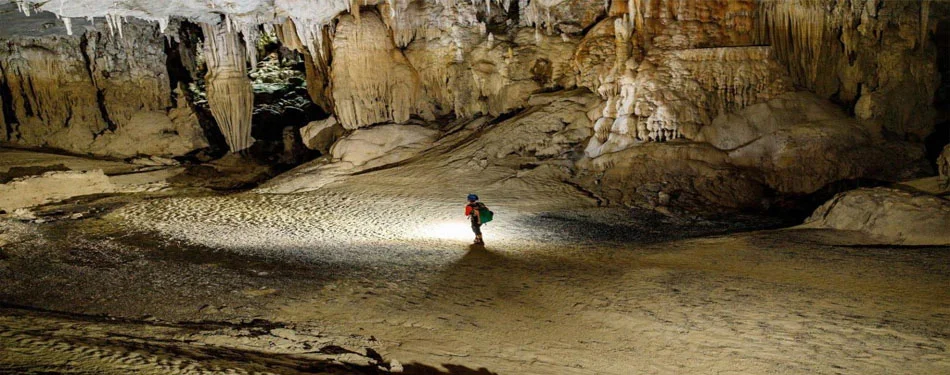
343,279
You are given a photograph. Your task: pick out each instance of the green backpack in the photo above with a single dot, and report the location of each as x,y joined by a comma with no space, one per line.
484,214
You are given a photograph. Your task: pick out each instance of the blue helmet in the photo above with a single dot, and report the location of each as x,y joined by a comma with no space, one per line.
472,197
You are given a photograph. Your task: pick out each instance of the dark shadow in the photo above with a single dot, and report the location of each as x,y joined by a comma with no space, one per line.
116,344
638,226
421,369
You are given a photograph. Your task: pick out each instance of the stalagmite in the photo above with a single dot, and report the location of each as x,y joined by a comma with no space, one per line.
229,90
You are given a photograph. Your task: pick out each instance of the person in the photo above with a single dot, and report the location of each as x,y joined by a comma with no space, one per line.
471,210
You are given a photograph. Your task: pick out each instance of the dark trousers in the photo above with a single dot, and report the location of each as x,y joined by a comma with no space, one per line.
476,227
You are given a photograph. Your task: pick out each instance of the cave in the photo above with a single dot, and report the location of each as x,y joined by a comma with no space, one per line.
475,187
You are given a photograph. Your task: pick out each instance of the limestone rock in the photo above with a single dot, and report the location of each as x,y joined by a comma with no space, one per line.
381,145
229,91
373,82
320,135
668,24
694,175
154,133
801,143
674,94
562,16
943,165
130,71
53,99
865,53
596,55
52,187
468,73
550,130
889,216
96,93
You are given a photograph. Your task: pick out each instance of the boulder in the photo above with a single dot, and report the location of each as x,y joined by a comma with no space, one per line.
800,143
888,216
692,175
155,133
52,187
381,145
319,135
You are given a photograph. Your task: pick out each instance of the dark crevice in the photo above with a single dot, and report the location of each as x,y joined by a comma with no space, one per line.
100,95
177,73
940,137
192,77
6,98
27,107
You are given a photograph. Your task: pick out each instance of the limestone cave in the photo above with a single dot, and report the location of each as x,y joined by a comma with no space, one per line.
653,187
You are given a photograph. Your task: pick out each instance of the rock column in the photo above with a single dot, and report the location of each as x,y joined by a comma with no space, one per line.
229,90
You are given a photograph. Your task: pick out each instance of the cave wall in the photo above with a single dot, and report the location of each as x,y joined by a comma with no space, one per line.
95,92
876,58
702,73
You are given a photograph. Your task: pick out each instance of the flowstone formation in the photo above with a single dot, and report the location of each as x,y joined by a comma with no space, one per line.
720,102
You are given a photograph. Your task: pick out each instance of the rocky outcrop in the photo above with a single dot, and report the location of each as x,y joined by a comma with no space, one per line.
800,143
52,187
865,54
687,175
671,95
320,135
96,93
887,216
381,145
667,24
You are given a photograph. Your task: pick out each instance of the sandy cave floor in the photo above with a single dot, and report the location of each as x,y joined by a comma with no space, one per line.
322,281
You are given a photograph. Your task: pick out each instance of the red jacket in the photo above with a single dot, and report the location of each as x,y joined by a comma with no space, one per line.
470,208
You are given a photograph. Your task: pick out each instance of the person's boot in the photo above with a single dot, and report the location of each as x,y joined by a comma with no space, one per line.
479,241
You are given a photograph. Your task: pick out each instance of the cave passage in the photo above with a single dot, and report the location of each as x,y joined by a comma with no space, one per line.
281,187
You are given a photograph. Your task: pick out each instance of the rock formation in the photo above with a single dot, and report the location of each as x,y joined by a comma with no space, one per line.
229,90
943,165
887,216
800,143
860,53
94,92
381,145
52,187
373,82
663,101
320,135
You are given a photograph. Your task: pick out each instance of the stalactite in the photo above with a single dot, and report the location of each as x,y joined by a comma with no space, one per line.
69,25
24,7
229,90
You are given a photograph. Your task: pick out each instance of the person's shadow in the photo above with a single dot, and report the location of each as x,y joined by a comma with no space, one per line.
476,247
